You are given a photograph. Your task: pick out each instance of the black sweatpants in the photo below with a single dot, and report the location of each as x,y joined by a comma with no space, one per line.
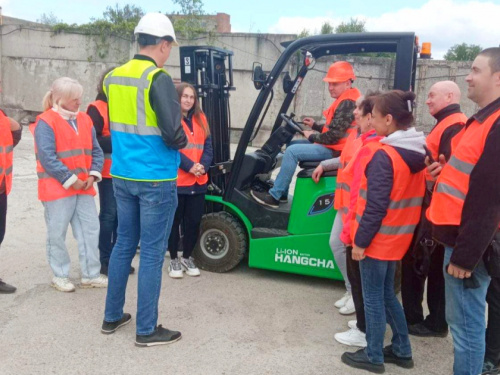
3,215
493,328
187,217
412,292
354,276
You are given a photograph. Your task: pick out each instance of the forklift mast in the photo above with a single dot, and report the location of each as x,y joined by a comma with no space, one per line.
210,70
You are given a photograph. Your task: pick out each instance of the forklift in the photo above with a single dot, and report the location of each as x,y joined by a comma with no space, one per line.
295,237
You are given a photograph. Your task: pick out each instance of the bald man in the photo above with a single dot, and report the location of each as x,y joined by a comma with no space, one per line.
425,258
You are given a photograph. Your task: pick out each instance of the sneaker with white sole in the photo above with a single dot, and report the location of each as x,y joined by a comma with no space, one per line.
348,308
352,324
62,284
353,337
175,269
100,281
190,267
341,302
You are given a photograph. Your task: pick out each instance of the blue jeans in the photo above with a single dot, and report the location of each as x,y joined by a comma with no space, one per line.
108,219
295,153
79,211
145,211
466,316
381,307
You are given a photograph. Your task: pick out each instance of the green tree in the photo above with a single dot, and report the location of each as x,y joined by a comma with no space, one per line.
189,21
49,19
352,26
304,33
462,52
118,15
326,28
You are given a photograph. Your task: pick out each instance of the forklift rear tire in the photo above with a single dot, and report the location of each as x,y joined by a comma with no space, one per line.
222,243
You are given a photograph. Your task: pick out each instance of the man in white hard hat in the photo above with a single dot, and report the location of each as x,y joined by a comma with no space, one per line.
146,133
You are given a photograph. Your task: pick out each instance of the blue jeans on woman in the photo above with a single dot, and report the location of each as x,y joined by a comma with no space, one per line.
466,316
108,219
145,211
381,307
296,152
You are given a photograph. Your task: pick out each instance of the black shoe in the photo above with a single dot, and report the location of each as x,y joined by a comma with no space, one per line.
489,368
360,360
419,329
390,357
132,270
284,199
110,327
6,288
161,336
265,198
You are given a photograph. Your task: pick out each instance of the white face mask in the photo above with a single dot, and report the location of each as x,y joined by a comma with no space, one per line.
65,114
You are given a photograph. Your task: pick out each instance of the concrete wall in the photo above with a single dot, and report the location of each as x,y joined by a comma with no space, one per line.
33,56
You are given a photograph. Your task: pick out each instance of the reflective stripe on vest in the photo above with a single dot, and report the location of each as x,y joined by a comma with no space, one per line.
6,154
73,149
403,213
452,185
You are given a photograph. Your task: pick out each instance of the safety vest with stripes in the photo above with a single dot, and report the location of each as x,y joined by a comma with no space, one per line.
452,184
343,187
350,94
73,149
6,153
434,138
194,151
102,108
139,153
403,214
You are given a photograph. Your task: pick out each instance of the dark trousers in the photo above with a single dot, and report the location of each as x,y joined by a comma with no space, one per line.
354,277
3,215
493,328
188,215
108,220
412,292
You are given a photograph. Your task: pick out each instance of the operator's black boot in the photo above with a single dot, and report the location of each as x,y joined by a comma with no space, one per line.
6,288
264,198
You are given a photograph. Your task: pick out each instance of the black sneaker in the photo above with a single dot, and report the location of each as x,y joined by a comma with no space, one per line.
420,329
284,199
390,357
110,327
6,288
265,198
489,368
360,360
161,336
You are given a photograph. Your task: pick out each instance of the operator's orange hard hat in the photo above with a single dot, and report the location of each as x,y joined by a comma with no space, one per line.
339,71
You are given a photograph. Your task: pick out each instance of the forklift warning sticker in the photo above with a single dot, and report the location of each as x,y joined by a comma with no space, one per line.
187,65
292,256
322,204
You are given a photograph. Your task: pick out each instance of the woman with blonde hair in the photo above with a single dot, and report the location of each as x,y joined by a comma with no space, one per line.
69,161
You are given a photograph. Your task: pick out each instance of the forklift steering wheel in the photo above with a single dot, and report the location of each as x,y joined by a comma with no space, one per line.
292,123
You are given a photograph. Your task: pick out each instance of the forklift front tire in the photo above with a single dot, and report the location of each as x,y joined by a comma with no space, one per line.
222,243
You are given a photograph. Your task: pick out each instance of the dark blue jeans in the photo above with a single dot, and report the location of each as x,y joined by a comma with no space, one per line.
381,307
108,218
145,211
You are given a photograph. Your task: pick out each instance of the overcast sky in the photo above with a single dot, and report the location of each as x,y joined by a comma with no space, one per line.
441,22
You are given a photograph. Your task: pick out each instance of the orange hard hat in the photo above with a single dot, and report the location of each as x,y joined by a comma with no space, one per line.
339,71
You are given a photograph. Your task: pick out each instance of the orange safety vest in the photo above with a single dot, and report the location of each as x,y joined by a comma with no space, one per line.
434,138
342,191
194,151
403,214
350,94
452,184
73,149
102,108
6,152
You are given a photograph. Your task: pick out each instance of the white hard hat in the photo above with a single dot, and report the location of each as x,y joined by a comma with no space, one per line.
156,24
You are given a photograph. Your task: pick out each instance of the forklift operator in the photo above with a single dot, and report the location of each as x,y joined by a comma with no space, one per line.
326,144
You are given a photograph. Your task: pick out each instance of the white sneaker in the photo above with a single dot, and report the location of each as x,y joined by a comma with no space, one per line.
353,337
341,302
62,284
175,269
190,267
100,281
348,308
352,324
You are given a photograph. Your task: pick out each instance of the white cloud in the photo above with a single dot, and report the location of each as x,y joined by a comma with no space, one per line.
441,22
